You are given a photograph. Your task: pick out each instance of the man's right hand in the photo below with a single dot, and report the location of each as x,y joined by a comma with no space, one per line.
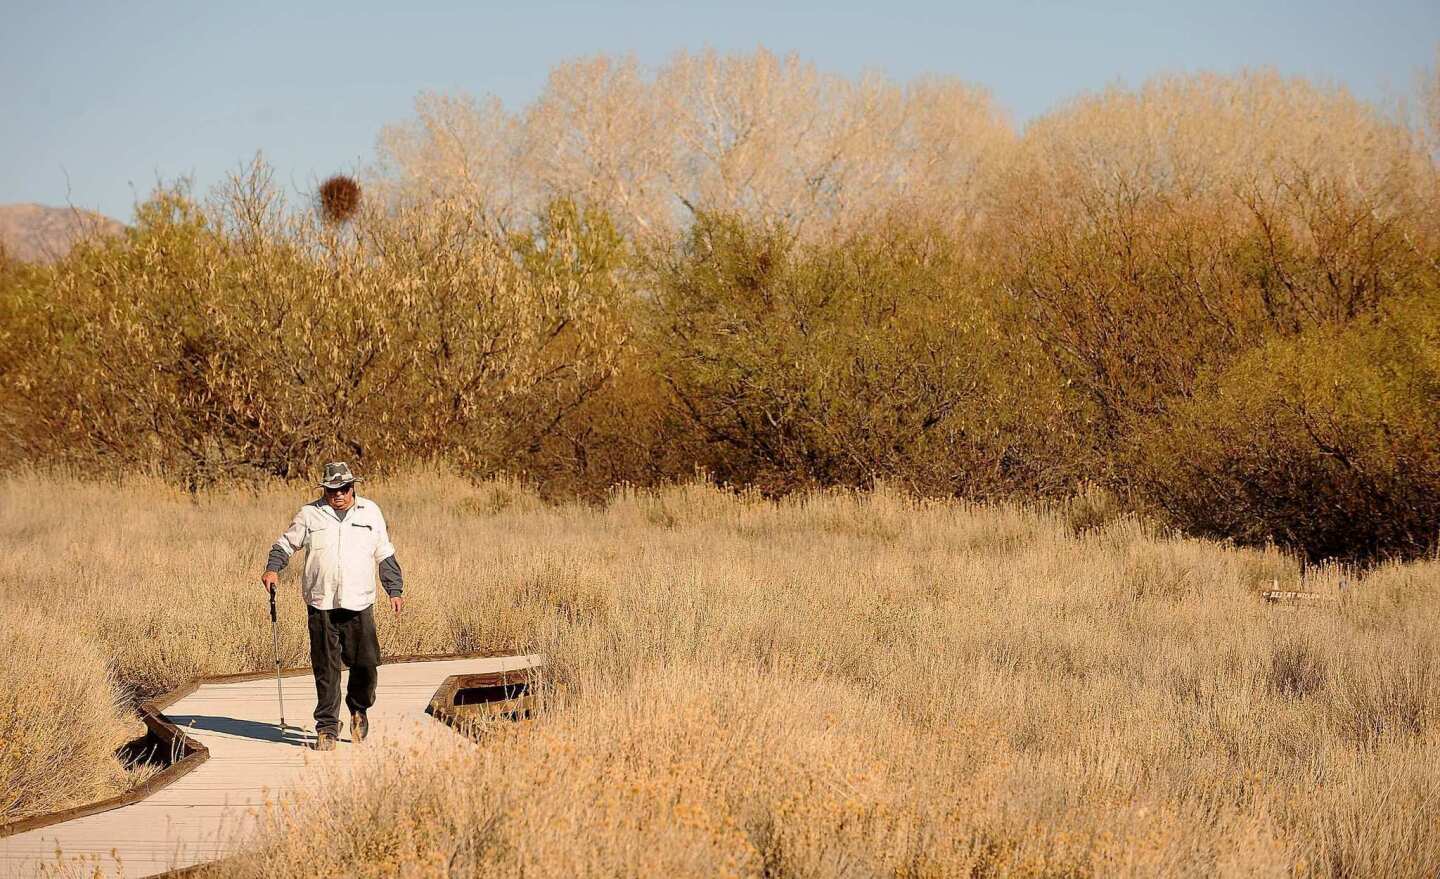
270,580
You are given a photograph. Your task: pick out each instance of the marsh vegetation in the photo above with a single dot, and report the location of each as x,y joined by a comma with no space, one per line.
833,682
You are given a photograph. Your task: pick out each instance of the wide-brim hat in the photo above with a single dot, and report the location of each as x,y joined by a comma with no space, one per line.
337,474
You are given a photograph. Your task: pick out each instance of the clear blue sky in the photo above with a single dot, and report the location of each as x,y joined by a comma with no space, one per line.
101,98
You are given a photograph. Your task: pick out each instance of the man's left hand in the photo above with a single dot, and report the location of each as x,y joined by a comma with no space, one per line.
397,602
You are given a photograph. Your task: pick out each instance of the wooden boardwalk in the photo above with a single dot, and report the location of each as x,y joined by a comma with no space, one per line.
202,815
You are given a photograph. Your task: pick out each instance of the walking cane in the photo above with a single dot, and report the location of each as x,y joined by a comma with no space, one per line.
275,638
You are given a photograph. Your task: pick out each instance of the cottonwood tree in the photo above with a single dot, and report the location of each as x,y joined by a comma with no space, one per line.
775,140
596,133
460,149
754,135
771,138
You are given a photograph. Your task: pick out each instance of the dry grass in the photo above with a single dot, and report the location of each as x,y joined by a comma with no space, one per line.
60,717
835,685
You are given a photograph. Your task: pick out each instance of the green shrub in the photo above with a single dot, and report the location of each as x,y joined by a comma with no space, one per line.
246,339
1154,235
1328,442
838,364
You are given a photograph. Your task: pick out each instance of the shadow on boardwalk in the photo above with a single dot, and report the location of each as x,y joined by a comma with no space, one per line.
245,729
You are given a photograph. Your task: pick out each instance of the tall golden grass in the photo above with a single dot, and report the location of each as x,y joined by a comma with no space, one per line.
833,684
61,717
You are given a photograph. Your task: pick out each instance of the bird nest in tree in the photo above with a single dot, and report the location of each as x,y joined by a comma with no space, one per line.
339,198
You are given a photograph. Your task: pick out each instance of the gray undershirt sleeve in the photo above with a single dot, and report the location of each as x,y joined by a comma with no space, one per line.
278,559
390,577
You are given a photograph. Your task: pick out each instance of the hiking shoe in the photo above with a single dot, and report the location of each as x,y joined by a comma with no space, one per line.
324,740
359,727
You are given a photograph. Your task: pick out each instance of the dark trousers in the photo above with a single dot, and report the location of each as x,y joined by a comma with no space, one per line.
346,636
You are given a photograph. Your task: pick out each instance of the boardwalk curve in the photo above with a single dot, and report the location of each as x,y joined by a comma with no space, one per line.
232,756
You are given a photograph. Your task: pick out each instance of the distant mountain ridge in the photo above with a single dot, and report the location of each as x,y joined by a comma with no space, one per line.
38,233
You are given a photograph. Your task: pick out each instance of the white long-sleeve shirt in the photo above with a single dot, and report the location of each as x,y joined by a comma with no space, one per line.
340,555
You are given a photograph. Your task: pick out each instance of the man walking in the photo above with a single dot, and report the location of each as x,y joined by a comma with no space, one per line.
345,538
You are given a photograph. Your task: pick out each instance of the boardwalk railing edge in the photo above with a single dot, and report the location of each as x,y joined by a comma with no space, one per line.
189,753
444,707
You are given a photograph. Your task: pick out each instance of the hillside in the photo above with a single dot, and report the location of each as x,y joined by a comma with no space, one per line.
37,233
